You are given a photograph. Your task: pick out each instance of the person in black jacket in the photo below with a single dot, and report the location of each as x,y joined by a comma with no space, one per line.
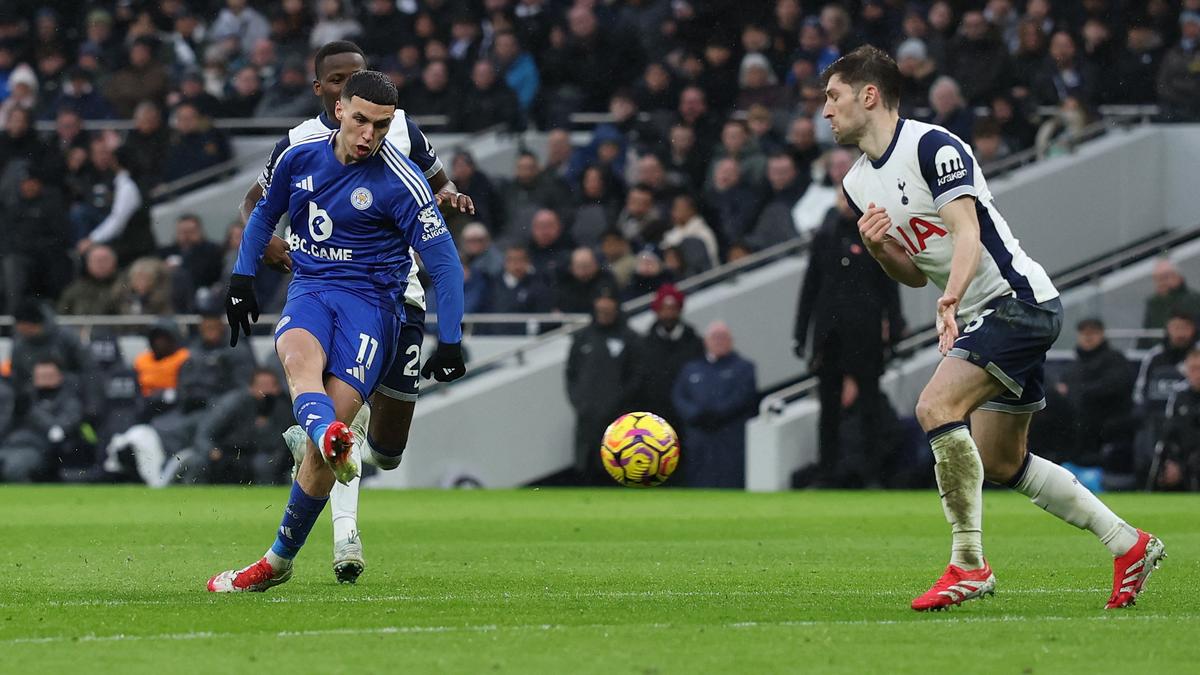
853,311
602,370
1179,465
668,346
1100,387
241,448
35,264
519,290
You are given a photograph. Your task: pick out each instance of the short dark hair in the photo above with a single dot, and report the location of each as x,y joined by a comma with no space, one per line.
1180,313
868,65
1090,323
332,49
370,85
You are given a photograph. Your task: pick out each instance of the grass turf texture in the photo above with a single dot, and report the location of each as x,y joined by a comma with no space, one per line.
612,581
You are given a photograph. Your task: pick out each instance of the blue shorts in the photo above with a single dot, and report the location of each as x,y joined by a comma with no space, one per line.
402,381
1009,339
358,337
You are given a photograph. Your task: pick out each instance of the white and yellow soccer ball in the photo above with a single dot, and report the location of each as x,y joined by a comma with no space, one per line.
640,449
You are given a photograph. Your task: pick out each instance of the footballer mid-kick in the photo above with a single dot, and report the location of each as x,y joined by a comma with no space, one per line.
358,208
925,213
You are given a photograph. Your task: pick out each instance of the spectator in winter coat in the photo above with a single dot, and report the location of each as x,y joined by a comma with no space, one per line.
37,338
731,201
1099,385
670,344
602,370
517,68
1160,373
244,449
584,282
97,290
715,397
46,428
689,224
519,290
775,224
488,102
34,260
1179,77
1171,295
1179,466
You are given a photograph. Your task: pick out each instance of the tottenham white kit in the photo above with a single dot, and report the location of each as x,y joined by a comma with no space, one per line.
923,169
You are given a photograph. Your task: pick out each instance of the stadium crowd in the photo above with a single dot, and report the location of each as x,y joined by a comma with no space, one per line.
710,147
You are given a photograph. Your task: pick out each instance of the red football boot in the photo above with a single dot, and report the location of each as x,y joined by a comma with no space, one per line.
1131,570
956,587
253,579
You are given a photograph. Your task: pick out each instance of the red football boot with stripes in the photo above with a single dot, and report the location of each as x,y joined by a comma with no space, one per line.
1131,570
956,587
253,579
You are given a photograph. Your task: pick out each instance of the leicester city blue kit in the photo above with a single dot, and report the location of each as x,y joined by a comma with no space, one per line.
352,226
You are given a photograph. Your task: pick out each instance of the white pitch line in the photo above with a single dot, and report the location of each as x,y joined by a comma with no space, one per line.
492,628
205,600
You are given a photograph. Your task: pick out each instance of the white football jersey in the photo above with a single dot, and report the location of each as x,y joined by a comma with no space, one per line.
925,168
404,135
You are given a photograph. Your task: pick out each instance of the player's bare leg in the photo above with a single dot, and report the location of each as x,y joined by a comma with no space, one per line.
387,433
956,388
326,404
1002,440
303,362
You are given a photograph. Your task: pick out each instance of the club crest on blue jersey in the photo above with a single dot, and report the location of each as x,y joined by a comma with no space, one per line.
361,198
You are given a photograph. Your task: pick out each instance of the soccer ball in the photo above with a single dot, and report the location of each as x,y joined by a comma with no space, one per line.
640,449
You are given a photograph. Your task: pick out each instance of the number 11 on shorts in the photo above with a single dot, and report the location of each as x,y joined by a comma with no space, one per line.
365,343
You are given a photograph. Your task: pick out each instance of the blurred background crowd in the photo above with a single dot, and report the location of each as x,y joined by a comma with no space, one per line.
704,144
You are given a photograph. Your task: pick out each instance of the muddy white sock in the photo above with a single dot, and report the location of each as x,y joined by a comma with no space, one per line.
959,472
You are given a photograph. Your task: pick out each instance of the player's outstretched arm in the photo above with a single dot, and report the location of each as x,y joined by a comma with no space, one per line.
873,225
276,255
428,234
241,304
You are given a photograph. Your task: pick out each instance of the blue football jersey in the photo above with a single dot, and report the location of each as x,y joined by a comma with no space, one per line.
351,225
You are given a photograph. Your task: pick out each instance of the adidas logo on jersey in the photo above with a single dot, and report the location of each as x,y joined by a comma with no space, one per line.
358,372
306,184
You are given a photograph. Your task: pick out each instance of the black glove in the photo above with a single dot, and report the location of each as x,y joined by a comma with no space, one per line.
241,306
446,364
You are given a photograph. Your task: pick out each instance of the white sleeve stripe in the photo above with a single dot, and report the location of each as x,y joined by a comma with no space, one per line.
407,180
409,175
432,170
949,196
415,184
398,169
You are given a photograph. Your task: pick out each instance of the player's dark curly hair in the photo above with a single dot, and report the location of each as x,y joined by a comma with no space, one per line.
370,85
868,65
332,49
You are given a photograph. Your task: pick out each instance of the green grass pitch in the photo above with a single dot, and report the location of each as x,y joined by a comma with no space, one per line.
609,581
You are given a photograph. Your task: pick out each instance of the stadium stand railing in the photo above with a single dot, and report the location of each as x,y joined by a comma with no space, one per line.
1088,273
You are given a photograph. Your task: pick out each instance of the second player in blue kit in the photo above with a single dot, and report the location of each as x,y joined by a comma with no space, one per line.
356,206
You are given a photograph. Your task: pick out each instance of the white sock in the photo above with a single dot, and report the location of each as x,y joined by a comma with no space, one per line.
277,561
1058,491
343,503
959,472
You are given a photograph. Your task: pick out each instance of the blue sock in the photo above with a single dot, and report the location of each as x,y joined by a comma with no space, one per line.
314,412
298,519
